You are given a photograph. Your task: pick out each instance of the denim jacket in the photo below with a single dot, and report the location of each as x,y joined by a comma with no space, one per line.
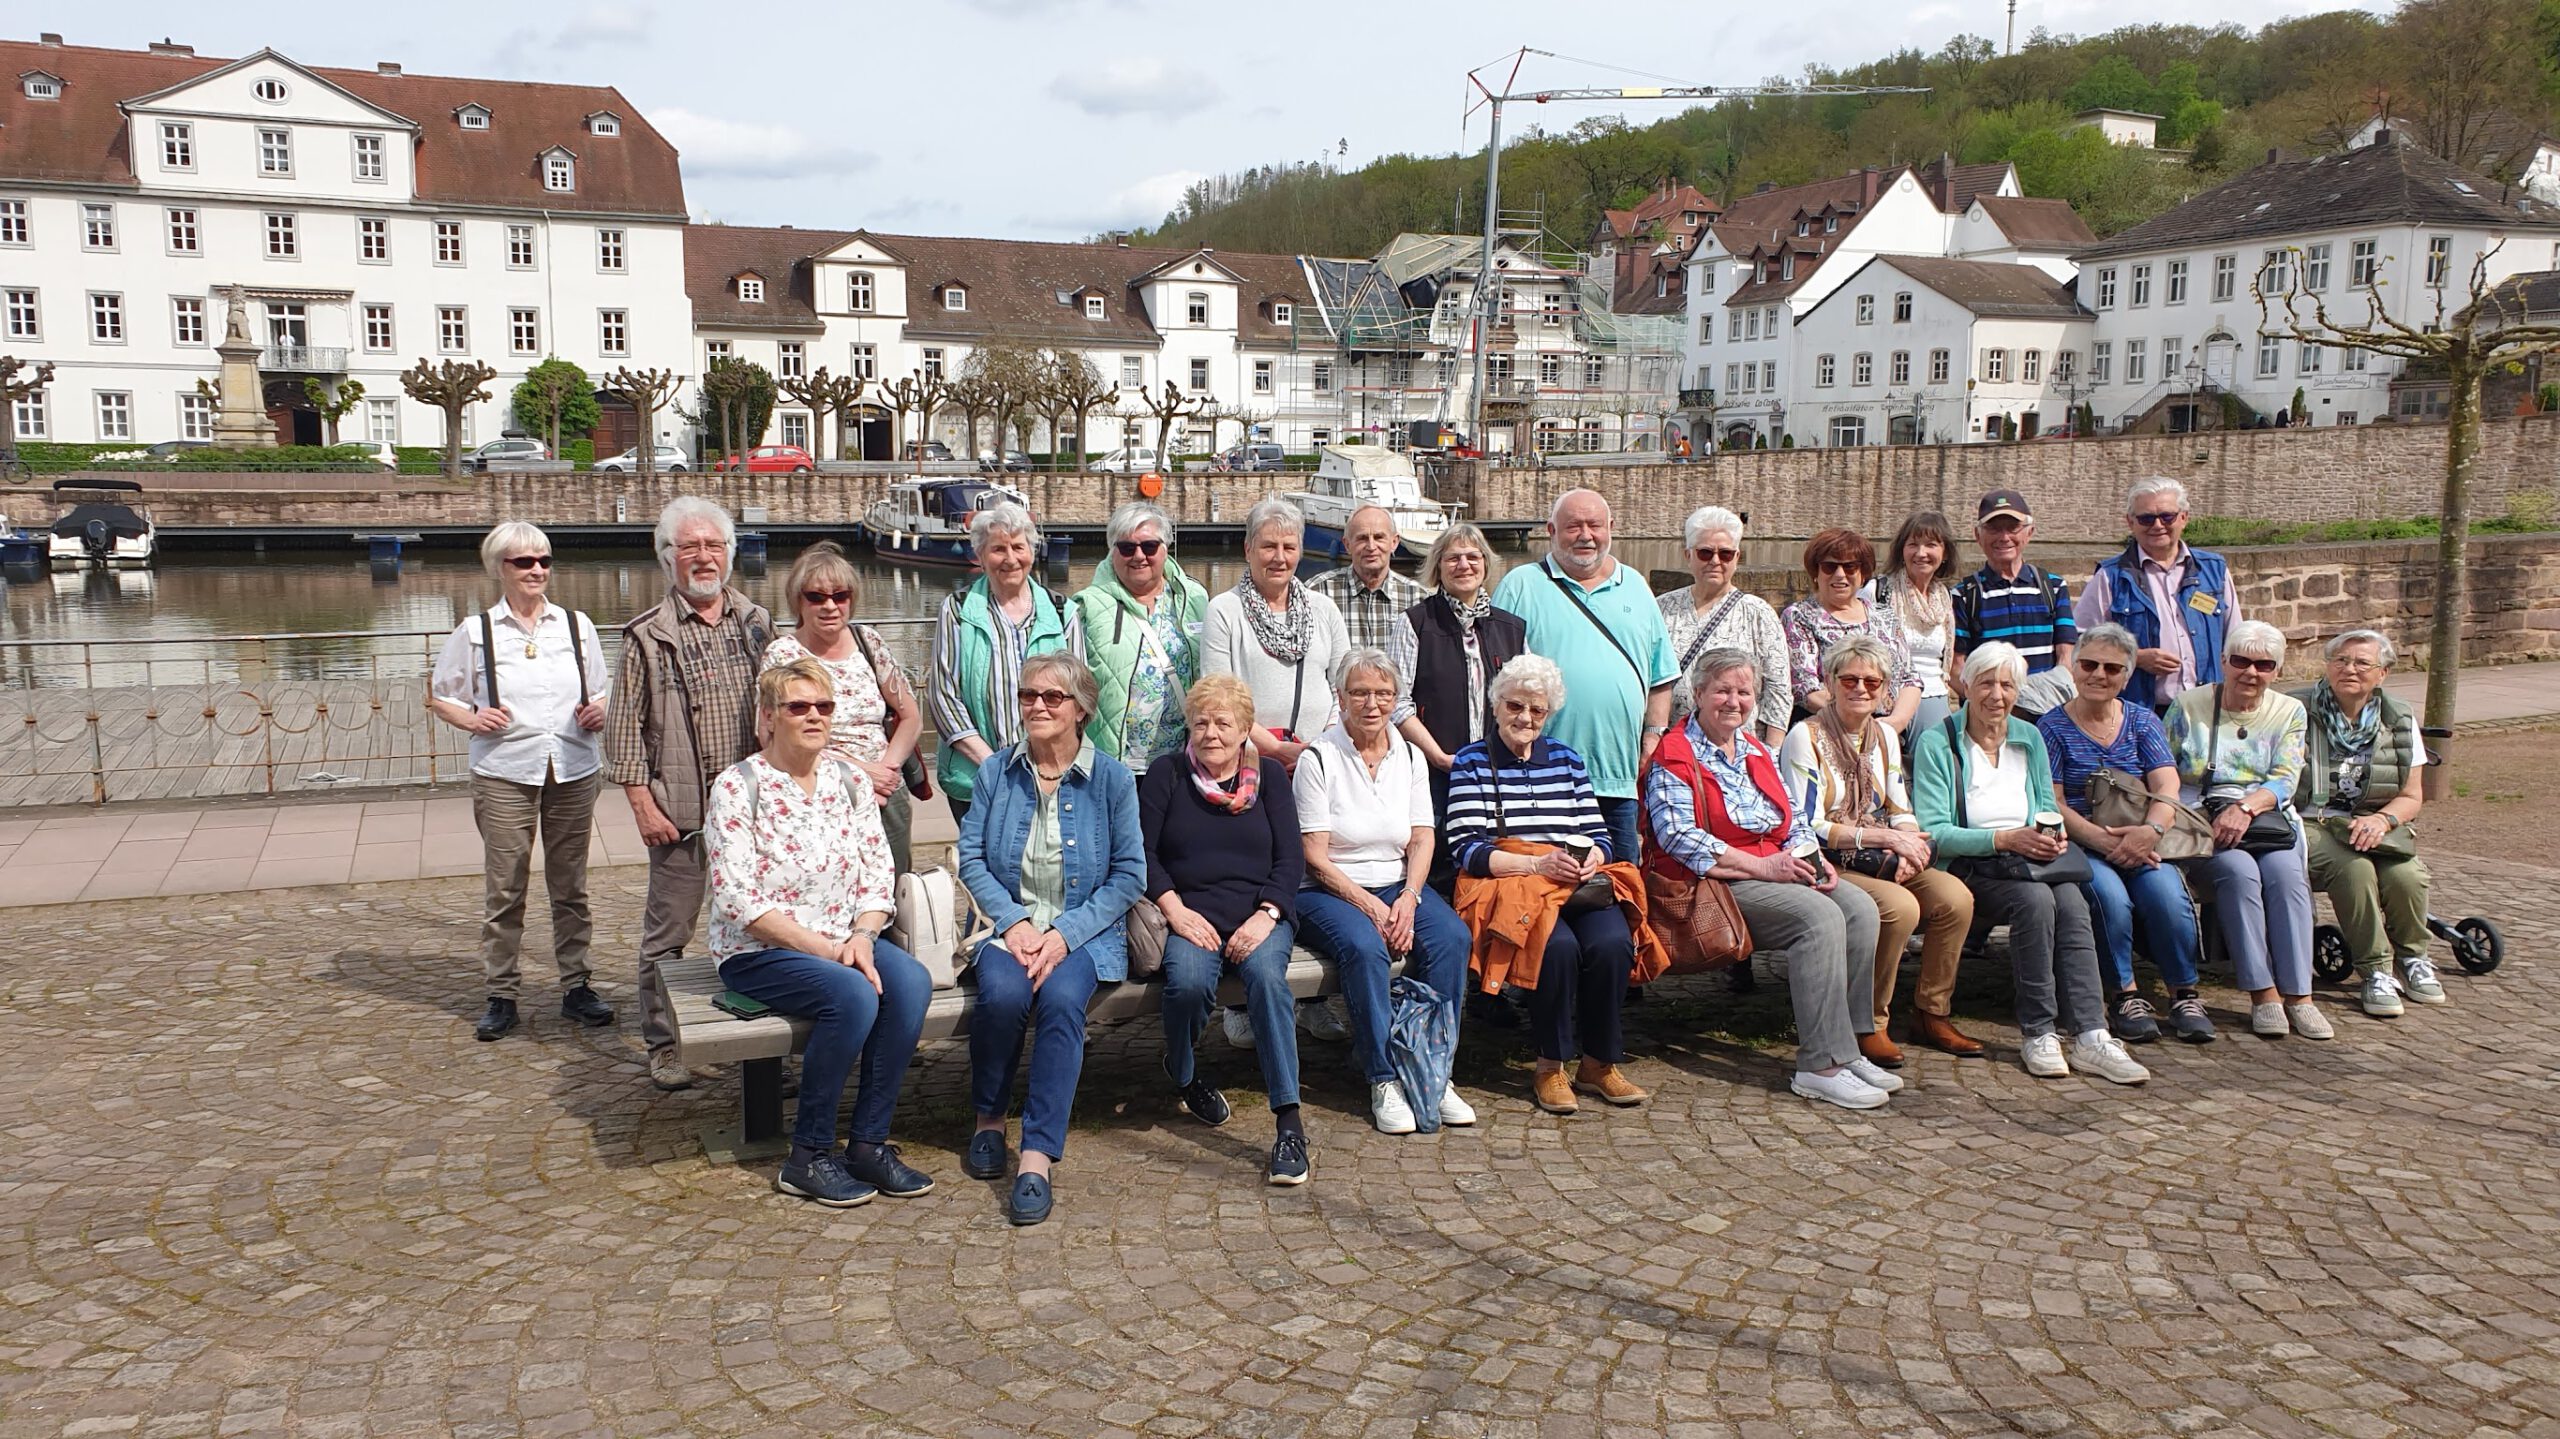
1104,856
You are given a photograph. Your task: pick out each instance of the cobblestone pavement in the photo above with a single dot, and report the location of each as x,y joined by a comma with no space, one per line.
258,1179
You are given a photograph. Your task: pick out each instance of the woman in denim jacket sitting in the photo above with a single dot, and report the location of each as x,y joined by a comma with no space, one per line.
1050,851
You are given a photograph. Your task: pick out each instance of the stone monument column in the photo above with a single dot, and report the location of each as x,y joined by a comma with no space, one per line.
240,415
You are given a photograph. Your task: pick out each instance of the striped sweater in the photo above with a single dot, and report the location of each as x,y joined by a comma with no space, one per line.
1494,794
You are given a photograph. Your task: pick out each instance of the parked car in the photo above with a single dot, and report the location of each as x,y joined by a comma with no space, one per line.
166,452
512,449
1136,459
667,459
1008,460
377,451
769,460
932,450
1253,458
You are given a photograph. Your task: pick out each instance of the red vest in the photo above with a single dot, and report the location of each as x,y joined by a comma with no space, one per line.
1675,755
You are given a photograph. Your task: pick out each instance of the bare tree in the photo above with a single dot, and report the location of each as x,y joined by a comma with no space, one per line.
827,396
453,387
1077,389
920,395
2471,63
647,392
972,395
1011,381
2492,329
1169,409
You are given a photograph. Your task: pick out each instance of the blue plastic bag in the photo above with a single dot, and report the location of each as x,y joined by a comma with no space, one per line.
1422,1044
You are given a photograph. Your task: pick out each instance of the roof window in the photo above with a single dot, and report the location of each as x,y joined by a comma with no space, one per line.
37,85
472,117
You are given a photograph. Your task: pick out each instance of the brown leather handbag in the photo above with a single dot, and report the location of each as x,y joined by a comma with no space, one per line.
1697,921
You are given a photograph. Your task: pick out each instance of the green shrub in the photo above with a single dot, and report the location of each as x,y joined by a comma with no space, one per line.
55,457
344,459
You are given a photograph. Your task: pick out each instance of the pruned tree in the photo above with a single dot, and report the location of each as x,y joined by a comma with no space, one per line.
920,395
1244,417
973,396
332,403
556,398
2492,329
647,392
1009,381
1169,408
453,387
1075,388
827,396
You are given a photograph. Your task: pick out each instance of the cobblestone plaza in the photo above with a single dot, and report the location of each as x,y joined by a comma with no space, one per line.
258,1179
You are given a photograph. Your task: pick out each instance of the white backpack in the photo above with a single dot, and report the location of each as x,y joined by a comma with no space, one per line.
927,924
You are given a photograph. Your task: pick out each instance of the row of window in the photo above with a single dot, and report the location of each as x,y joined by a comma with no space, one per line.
22,318
1862,367
183,234
2309,359
370,160
2275,272
31,418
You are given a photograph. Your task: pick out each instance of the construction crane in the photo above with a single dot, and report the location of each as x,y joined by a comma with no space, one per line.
1487,294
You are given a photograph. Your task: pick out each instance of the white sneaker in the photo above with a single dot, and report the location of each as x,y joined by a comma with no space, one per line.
1843,1088
1327,1019
2103,1055
2267,1021
1239,1027
1455,1111
2382,995
2042,1055
1388,1110
1875,1076
2307,1020
2423,984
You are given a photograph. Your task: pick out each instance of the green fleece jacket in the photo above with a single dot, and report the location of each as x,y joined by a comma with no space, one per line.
1937,782
1114,628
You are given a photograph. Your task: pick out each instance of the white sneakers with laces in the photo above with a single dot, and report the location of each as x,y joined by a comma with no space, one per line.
2424,987
1454,1111
1841,1087
2382,995
1327,1019
2103,1055
2042,1056
1239,1027
1388,1109
1875,1075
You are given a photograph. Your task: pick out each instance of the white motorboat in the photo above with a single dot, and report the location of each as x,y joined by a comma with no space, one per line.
106,524
926,521
1349,477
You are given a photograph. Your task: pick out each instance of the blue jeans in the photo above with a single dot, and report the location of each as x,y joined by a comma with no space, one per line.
1342,933
2152,902
1007,1005
1191,977
849,1020
1582,982
1620,816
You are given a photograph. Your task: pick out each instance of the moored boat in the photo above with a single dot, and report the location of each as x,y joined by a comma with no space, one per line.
1350,477
925,520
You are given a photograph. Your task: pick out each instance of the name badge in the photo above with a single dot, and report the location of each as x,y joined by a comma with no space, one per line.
2202,603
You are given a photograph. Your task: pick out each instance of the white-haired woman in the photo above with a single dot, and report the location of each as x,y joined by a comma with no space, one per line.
2241,747
1141,618
1711,613
526,679
1979,779
1364,807
1717,807
986,631
878,718
2360,790
1529,837
1280,637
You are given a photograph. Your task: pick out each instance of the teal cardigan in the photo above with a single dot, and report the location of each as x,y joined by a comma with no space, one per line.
1937,779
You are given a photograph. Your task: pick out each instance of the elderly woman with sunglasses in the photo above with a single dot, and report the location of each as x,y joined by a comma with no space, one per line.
2240,749
878,718
1141,618
984,634
527,681
1713,613
1840,562
1052,855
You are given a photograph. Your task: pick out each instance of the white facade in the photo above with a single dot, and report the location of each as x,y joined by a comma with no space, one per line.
2122,127
1925,368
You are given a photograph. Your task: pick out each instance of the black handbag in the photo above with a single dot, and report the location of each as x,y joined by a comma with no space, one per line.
2070,867
1871,862
2268,833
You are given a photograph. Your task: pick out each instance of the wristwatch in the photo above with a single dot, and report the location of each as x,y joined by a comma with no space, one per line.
1273,910
2158,828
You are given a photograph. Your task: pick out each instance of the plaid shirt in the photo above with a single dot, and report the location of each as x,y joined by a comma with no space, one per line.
1369,615
684,704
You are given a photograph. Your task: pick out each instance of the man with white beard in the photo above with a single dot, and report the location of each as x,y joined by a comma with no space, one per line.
684,709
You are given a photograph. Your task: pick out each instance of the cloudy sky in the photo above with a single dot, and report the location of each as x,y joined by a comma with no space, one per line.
1052,119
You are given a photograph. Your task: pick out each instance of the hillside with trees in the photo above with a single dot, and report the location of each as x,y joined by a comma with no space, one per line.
2472,76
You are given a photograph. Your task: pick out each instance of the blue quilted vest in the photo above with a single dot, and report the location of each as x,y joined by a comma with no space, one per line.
2129,604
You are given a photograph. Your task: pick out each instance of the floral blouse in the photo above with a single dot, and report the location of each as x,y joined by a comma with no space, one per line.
819,858
2264,748
1153,726
1746,624
867,687
1811,629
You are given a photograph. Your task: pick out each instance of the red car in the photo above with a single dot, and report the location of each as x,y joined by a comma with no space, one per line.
770,460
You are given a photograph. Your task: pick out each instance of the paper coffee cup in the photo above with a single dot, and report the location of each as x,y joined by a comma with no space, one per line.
2048,822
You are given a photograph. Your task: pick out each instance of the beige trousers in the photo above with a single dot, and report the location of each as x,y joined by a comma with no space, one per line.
1937,905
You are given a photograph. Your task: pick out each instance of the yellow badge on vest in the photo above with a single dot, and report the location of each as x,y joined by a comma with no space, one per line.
2202,603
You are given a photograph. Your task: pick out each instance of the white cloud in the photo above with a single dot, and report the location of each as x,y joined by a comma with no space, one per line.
600,26
1130,87
714,148
1145,202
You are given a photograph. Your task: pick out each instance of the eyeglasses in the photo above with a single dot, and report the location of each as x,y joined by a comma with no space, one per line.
2250,662
1524,708
1716,555
703,547
2098,667
1370,697
1862,683
800,708
826,597
529,562
1843,567
1043,699
1131,549
2353,664
2162,518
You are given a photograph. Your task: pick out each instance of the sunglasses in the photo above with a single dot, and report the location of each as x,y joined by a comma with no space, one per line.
1843,567
529,562
2164,519
1713,555
1043,699
826,597
799,709
2250,662
1516,707
1863,683
1131,549
2099,667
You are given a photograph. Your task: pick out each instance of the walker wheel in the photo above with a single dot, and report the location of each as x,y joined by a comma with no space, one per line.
2478,946
2329,957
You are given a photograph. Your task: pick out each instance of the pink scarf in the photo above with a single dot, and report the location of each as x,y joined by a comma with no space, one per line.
1246,785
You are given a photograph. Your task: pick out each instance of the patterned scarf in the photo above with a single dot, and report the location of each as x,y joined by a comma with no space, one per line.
1282,636
1921,610
1234,796
2347,736
1857,801
1470,611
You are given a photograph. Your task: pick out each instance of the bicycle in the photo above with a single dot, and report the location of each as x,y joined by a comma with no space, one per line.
13,469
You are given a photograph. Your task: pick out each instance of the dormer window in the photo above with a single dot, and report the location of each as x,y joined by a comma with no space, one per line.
559,172
1689,218
37,85
1282,312
270,90
955,297
604,122
751,289
1831,224
1661,286
472,117
1804,225
1093,307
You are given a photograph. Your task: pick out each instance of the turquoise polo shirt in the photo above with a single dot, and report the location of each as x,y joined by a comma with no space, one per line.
1603,715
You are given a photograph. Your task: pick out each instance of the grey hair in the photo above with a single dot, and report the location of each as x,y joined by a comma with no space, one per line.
1072,671
2383,649
1274,510
1717,662
2154,485
1708,520
511,537
1004,517
2109,636
1371,658
1558,507
1534,674
2257,640
684,508
1854,649
1135,516
1998,657
1464,532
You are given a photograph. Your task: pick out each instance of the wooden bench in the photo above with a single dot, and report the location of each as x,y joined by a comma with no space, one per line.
707,1035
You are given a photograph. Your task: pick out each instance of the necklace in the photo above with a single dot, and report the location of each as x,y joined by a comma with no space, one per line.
1046,777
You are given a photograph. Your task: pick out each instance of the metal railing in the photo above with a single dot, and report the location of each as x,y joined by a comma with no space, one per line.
90,721
309,359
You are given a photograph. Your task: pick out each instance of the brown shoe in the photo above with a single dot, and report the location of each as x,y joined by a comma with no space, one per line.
1934,1031
1553,1092
1604,1082
1880,1051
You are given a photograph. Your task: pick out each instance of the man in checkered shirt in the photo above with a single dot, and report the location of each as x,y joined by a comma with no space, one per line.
1368,591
